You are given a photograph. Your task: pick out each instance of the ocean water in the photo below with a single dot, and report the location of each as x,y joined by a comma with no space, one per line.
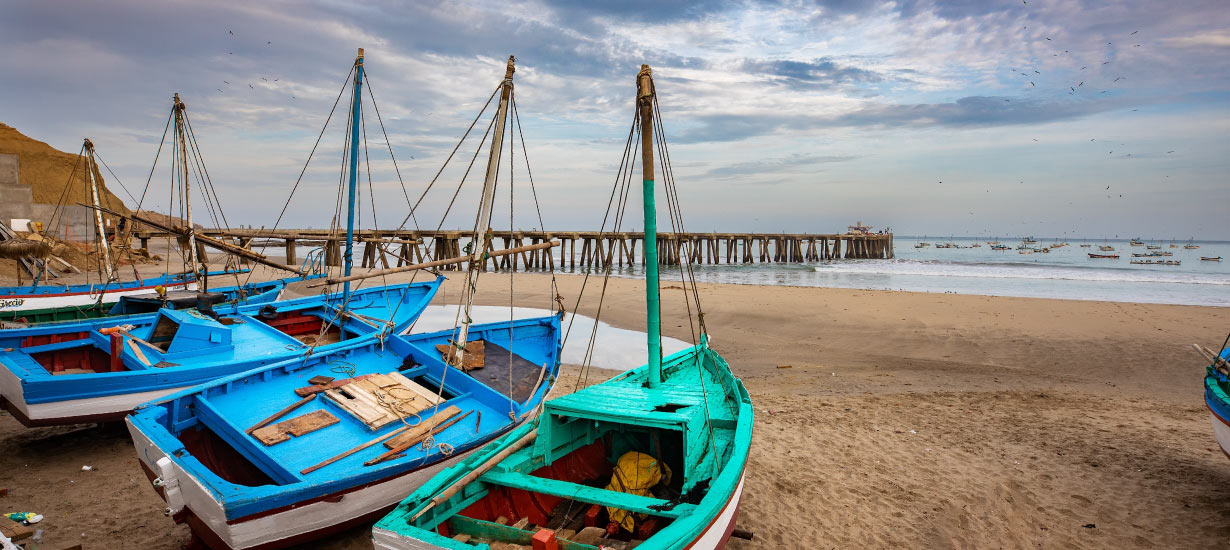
1066,272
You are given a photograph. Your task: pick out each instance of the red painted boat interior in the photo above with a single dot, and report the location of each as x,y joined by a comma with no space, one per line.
55,338
75,359
222,459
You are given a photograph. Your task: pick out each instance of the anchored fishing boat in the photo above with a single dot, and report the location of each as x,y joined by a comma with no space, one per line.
655,457
1210,258
100,370
1106,256
1217,394
44,302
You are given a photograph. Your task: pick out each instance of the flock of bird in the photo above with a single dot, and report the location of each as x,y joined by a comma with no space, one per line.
231,35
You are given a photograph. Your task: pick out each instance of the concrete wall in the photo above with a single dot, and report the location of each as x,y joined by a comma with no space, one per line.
17,201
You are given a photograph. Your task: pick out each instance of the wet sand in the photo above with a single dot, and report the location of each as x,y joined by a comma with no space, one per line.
904,420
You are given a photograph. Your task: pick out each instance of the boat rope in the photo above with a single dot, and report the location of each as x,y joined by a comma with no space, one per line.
307,162
618,189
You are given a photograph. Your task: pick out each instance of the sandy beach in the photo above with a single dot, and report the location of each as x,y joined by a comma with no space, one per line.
884,419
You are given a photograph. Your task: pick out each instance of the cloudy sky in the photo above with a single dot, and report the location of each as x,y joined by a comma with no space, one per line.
966,118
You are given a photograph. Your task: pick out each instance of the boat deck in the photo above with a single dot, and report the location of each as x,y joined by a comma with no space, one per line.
212,425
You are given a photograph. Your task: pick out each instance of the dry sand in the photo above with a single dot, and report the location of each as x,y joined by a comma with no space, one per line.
905,420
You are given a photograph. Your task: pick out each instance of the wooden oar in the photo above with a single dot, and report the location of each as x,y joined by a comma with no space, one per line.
281,413
311,469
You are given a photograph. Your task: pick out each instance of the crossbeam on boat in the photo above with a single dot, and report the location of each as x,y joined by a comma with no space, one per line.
587,494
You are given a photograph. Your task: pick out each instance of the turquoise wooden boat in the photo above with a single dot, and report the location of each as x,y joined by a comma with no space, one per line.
236,492
655,458
1217,398
99,370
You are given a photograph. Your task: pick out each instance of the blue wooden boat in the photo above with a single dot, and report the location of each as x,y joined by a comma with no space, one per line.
98,370
654,458
291,451
236,492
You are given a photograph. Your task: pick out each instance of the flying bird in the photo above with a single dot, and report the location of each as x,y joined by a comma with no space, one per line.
1117,79
1085,67
1106,62
1135,45
227,83
1136,31
219,90
268,43
1035,139
1169,152
1081,84
1036,71
250,86
1108,187
1071,88
265,79
1048,38
1031,83
230,32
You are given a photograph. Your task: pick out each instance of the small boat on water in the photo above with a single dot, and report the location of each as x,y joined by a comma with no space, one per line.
1085,245
1000,247
1210,258
1107,256
1156,262
1136,242
99,370
1191,245
654,458
1153,247
1106,248
1217,395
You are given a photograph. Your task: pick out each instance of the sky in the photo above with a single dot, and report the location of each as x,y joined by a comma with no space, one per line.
996,118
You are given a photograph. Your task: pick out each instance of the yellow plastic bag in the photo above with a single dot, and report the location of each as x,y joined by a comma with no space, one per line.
635,473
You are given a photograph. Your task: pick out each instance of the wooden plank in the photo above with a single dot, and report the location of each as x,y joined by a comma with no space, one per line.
13,530
473,358
281,413
421,429
297,426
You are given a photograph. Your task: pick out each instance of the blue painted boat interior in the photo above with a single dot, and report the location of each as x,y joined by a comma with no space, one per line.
186,347
204,429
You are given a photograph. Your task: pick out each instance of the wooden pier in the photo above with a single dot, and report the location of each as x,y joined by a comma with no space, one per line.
578,250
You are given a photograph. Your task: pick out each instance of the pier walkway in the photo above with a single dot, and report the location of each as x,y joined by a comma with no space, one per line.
586,249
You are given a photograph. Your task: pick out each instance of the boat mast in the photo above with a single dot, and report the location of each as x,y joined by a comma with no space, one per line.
479,242
356,115
98,219
653,320
180,128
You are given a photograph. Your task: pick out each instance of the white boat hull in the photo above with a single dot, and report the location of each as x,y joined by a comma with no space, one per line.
1221,430
92,409
79,299
713,537
189,501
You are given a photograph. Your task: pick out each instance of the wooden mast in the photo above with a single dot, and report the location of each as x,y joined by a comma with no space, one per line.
186,190
653,314
90,166
479,242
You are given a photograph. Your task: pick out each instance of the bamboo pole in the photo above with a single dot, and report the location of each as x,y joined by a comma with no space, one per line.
474,474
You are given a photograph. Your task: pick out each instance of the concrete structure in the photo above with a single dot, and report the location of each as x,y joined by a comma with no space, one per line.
17,202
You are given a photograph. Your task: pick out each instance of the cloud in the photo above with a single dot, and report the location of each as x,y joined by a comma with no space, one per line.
795,163
1210,39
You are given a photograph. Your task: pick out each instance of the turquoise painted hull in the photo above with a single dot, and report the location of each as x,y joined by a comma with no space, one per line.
1217,399
601,423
